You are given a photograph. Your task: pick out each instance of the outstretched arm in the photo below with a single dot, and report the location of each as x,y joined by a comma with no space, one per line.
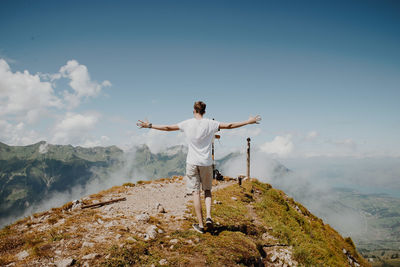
232,125
146,124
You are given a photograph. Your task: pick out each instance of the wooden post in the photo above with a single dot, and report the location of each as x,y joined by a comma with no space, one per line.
248,157
213,159
213,162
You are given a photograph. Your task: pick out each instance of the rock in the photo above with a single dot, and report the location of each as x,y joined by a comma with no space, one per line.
131,239
274,258
234,198
163,262
100,221
160,231
171,247
190,242
144,217
344,251
76,204
265,236
217,202
22,255
58,252
65,262
86,264
87,244
151,231
118,236
90,256
174,241
160,208
298,209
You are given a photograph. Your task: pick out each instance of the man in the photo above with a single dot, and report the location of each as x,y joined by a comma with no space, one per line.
199,134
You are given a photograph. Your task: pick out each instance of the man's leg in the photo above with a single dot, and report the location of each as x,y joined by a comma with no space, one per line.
206,175
207,195
193,186
197,207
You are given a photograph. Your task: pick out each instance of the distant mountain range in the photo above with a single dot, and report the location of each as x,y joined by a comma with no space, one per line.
30,173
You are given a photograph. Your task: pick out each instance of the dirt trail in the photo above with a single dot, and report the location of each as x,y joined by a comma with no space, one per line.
170,194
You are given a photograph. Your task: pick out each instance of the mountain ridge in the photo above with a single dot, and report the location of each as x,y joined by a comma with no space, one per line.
255,225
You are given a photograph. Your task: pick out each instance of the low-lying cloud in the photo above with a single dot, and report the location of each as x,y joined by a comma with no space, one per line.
281,146
313,182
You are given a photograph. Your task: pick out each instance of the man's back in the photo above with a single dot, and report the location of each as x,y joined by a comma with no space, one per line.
199,135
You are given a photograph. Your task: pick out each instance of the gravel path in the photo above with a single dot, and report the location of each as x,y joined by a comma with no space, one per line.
170,194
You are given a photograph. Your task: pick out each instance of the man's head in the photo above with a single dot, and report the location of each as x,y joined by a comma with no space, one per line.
200,107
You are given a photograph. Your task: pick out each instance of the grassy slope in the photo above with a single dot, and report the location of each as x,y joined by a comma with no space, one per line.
254,210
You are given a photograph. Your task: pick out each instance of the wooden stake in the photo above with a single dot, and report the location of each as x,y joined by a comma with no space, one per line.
248,157
97,205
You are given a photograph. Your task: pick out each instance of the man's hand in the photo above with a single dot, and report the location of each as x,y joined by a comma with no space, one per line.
143,124
254,119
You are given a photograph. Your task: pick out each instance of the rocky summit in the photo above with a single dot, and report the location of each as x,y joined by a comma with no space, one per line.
150,224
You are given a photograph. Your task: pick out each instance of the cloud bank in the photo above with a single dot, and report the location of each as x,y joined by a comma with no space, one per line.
29,99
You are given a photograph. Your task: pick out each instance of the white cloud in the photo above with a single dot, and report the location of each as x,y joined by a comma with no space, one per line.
103,141
243,132
156,140
281,146
349,143
74,128
17,134
26,98
312,135
24,95
80,82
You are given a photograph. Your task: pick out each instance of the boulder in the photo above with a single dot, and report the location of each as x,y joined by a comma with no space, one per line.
65,262
144,217
90,256
163,262
22,255
151,231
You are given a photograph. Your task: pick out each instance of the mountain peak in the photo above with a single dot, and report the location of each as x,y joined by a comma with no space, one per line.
255,225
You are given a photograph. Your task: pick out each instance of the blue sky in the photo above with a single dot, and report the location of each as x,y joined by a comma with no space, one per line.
324,75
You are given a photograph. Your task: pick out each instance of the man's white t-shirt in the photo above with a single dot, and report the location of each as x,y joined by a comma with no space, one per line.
199,135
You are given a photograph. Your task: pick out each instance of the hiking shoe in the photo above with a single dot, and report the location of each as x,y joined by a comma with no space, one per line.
198,228
209,223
